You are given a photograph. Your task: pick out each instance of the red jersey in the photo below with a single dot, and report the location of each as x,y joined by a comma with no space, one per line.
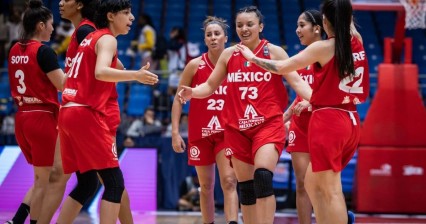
29,85
81,86
205,114
329,90
307,74
254,93
112,110
73,46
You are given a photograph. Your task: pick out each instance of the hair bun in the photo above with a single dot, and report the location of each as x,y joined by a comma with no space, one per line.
33,4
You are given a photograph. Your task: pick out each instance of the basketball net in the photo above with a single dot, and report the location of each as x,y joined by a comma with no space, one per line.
415,14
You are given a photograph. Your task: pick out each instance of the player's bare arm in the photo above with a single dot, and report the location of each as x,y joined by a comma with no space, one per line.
215,79
105,50
186,78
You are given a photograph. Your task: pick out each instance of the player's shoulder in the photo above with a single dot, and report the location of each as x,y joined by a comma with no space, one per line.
195,61
229,50
275,47
192,65
277,52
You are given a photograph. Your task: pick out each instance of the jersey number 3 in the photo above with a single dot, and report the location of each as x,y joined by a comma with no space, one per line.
19,74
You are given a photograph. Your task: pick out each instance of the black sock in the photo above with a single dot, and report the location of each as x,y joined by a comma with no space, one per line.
33,221
21,214
232,222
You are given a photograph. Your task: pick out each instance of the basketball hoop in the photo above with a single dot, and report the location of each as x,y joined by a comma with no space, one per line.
415,16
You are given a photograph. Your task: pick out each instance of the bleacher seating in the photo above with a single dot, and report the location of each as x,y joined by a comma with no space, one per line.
222,8
139,98
198,10
137,105
121,90
271,29
291,11
154,9
175,12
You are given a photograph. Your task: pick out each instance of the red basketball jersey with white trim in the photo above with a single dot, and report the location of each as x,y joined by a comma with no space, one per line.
307,74
73,46
205,114
29,85
329,90
81,86
254,94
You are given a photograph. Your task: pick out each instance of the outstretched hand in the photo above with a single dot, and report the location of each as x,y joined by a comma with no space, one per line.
185,94
245,51
146,77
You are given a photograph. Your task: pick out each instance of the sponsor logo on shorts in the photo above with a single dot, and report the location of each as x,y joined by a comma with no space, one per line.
251,118
291,137
194,152
213,127
228,152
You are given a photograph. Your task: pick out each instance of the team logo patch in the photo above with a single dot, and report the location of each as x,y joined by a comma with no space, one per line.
346,100
202,64
194,151
265,51
291,137
247,64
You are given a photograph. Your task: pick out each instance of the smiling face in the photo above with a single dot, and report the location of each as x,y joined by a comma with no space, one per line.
248,27
121,21
306,31
214,37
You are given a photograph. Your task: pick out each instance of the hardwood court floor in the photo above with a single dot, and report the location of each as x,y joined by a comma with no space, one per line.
282,217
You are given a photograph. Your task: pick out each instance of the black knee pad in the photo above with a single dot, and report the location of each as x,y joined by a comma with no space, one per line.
114,184
247,194
263,183
87,185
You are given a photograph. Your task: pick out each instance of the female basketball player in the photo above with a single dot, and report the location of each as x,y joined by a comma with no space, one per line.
206,126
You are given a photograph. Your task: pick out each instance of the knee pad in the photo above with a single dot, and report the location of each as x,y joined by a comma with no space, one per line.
114,184
247,194
263,183
87,185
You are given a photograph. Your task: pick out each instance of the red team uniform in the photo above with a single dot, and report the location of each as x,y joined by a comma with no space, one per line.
86,140
113,110
334,130
298,131
38,106
206,124
73,46
254,106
